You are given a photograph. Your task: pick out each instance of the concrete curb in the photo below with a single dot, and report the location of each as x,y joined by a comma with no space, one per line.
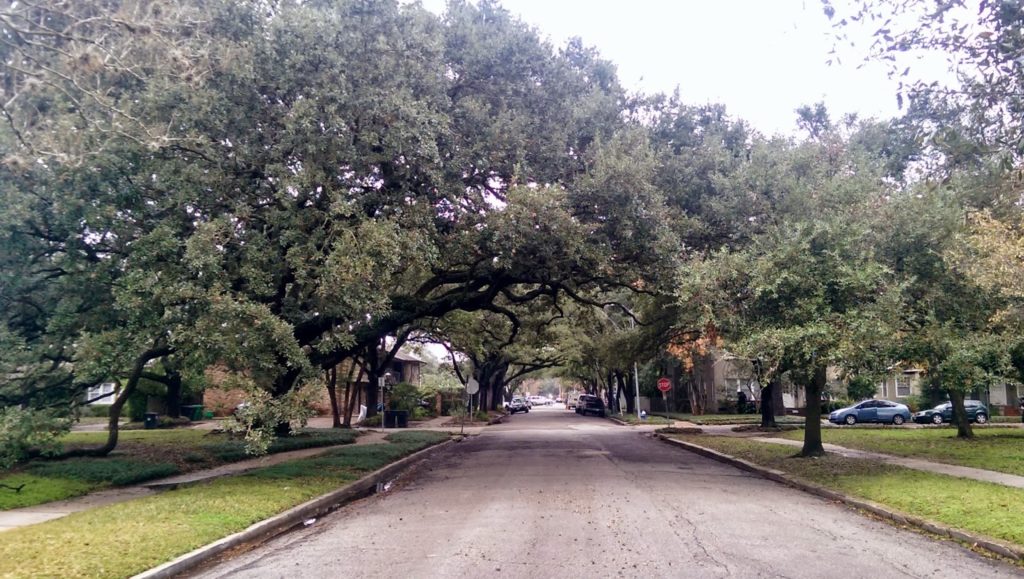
267,529
976,541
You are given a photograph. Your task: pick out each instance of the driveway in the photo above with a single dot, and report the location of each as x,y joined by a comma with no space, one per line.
553,494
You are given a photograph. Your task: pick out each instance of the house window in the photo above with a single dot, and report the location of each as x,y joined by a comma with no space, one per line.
102,394
902,385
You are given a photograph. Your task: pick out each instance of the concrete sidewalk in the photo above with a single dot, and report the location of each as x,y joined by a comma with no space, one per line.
978,474
25,516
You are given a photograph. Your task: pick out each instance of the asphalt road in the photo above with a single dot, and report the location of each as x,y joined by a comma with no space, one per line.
553,494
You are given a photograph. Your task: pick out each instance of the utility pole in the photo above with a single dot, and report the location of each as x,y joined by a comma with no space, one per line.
636,376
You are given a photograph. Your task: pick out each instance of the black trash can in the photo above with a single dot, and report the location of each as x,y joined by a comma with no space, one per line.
396,419
150,420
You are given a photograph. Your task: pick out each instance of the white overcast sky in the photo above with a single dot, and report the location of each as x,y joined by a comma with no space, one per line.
761,58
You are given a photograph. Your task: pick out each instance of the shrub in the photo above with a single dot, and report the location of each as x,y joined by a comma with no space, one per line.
481,416
833,405
168,422
420,414
917,402
371,420
25,431
860,388
403,396
95,410
136,406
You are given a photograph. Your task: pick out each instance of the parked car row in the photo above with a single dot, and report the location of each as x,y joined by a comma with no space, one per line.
518,405
588,404
888,412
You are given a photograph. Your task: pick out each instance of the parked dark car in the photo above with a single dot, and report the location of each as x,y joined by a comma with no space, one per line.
976,412
518,405
588,404
871,411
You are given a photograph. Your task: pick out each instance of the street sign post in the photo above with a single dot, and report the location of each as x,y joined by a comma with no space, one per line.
472,387
664,384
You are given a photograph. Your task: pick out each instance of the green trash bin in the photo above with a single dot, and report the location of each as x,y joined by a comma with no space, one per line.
192,411
150,420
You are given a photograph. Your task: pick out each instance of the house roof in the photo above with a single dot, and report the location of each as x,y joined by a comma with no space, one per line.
404,355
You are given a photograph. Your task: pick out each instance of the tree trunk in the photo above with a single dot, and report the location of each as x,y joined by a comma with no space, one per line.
331,378
768,403
372,394
355,397
174,388
812,425
282,385
778,402
351,393
114,413
963,424
620,390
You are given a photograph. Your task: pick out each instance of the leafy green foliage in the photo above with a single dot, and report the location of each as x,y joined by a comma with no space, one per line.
26,431
860,388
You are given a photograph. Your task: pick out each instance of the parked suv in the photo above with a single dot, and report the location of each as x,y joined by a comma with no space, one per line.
588,404
976,412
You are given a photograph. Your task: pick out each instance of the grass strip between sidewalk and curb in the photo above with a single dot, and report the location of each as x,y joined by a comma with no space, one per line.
997,449
632,420
142,456
132,537
715,419
980,514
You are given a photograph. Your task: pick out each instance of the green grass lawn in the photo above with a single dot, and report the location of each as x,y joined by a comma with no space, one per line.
998,449
632,419
141,455
127,538
711,419
984,508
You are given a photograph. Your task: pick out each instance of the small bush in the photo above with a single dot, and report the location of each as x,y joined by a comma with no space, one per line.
860,388
403,396
168,422
95,410
421,414
833,405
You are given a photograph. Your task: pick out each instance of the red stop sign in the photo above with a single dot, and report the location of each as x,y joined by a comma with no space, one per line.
664,384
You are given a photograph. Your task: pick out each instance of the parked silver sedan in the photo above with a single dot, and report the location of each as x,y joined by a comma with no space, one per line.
871,411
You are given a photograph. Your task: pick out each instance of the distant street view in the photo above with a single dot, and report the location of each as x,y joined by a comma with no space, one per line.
381,288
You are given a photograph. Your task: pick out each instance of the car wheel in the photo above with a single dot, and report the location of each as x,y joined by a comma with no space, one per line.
850,419
897,420
937,419
981,419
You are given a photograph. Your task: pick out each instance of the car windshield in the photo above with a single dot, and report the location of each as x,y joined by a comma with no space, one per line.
941,406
